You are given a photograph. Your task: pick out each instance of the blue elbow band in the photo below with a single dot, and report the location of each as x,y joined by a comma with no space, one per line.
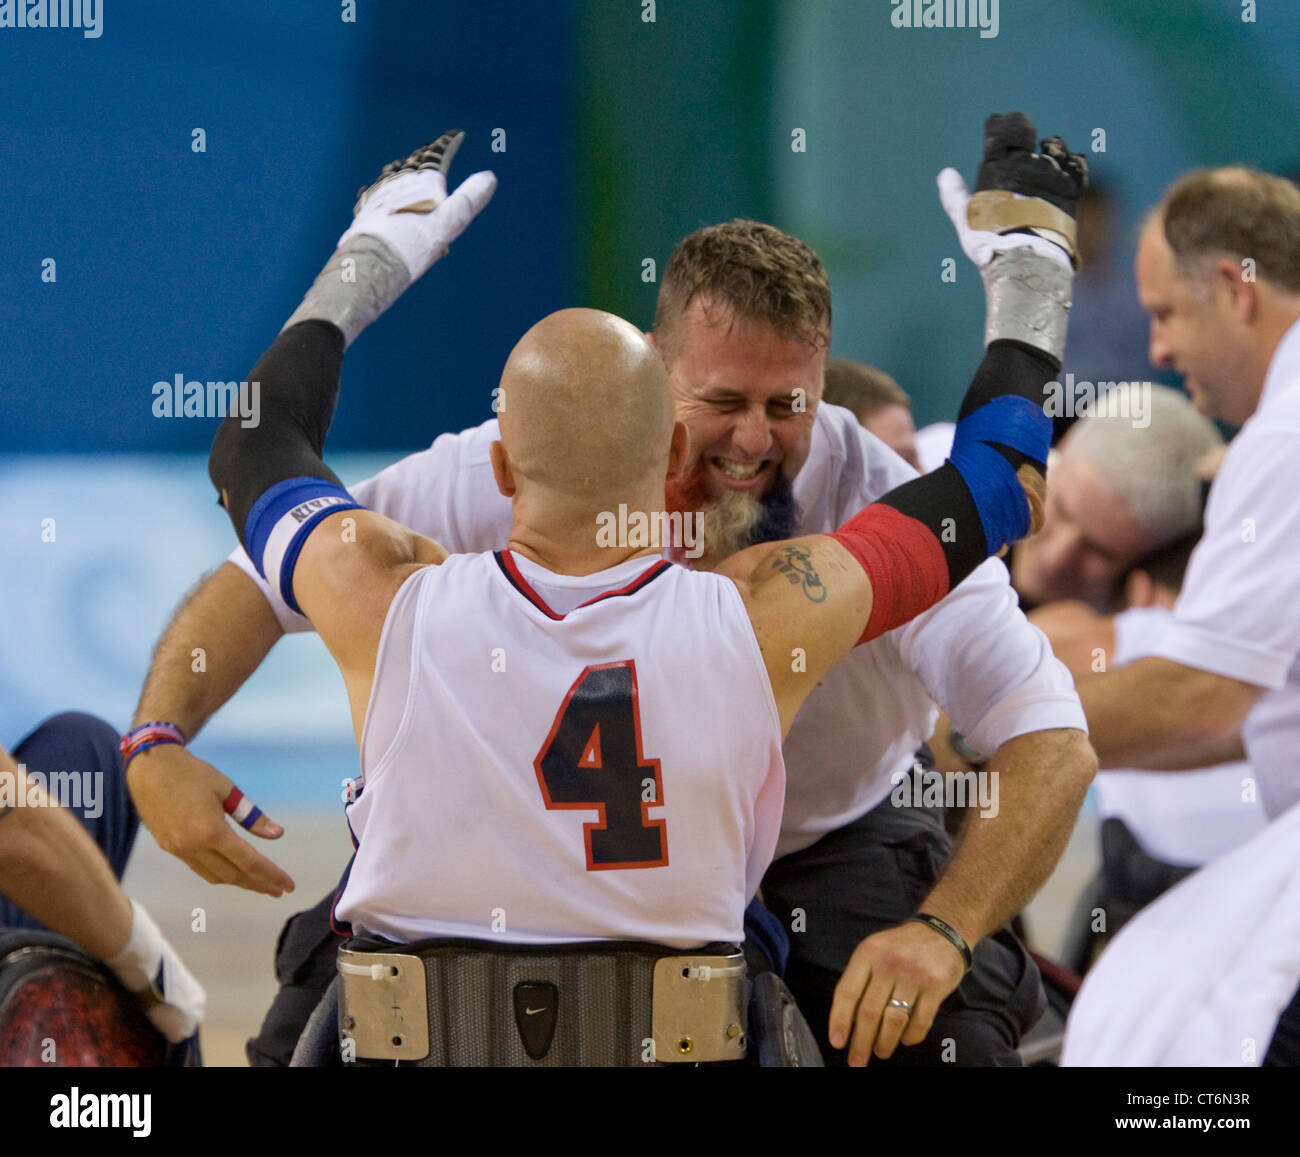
1020,425
280,521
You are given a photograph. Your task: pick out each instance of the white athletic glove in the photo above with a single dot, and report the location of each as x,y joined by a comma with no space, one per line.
409,208
980,245
1024,237
174,999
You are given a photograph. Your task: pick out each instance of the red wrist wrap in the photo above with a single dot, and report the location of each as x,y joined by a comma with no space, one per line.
904,561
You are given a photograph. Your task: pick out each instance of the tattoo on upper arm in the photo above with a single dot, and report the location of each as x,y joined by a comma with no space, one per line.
795,562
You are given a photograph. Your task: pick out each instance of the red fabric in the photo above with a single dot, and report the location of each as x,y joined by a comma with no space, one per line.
904,561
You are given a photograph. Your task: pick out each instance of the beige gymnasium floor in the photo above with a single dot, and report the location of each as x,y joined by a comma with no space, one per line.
233,955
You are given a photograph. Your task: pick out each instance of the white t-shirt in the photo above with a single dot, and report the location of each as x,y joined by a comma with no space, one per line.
1239,611
552,758
974,652
1185,817
1200,977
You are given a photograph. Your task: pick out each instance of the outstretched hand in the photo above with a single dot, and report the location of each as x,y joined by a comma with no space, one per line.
410,210
180,798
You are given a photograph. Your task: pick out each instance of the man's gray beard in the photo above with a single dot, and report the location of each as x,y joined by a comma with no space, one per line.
724,527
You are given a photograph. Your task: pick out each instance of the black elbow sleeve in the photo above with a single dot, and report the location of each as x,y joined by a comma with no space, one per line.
297,384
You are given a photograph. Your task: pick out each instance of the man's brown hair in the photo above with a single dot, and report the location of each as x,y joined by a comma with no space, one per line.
862,389
753,270
1236,211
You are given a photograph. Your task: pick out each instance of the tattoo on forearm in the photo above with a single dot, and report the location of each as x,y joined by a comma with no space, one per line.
795,562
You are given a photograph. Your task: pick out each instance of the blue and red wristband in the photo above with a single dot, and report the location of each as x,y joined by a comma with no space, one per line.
237,805
148,735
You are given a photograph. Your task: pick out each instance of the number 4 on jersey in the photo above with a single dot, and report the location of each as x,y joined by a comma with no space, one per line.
592,761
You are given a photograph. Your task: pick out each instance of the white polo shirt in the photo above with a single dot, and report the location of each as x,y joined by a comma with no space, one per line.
1239,611
974,652
1188,818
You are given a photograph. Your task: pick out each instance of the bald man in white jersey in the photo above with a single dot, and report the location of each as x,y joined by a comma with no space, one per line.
743,323
404,621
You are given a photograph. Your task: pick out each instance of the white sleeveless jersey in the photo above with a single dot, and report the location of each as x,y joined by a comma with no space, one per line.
975,653
552,758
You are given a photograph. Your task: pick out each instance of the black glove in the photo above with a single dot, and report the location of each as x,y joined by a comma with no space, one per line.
1055,174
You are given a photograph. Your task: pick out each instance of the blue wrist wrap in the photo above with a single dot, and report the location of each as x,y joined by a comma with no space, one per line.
1018,424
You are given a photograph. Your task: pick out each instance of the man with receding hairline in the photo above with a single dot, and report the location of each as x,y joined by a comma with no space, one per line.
1224,306
1218,271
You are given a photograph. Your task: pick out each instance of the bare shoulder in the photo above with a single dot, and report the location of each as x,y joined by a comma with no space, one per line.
351,567
1066,617
809,602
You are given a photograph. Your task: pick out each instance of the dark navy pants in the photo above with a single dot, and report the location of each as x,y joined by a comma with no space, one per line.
76,742
873,874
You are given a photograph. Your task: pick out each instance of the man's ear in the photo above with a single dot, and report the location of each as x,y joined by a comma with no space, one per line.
680,450
501,469
1242,292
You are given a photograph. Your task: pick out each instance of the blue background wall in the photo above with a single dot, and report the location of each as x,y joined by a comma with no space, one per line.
171,261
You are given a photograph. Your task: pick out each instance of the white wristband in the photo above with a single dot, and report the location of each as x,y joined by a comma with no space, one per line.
175,1000
136,965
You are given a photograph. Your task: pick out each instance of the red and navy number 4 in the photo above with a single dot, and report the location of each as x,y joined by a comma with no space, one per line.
592,760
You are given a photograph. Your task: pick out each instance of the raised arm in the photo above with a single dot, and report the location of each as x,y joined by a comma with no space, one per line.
916,543
813,599
182,799
332,560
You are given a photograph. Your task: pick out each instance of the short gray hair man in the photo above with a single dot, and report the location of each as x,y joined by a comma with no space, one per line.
1125,483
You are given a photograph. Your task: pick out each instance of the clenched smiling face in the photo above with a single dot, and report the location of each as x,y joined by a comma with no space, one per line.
748,395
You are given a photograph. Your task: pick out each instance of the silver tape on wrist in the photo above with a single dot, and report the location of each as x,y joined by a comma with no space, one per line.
1028,299
361,280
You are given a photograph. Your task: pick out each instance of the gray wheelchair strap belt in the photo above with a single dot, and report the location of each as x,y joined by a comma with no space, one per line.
466,1004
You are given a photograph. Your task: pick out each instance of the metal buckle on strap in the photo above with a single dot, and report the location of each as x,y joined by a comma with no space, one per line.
699,1008
384,1005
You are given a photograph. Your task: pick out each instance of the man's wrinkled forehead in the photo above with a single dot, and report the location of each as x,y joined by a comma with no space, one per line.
713,350
722,319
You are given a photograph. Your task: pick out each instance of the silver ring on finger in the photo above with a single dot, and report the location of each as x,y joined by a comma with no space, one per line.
907,1008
